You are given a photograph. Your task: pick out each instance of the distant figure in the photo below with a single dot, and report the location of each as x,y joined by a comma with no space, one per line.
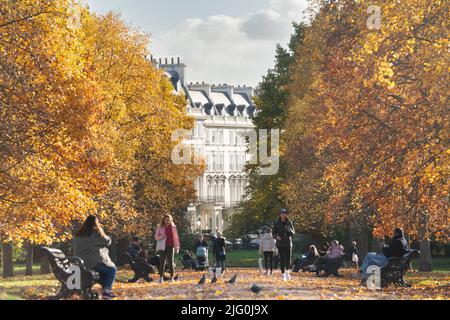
352,254
201,242
188,260
90,244
397,247
335,252
324,249
219,251
135,249
168,243
310,258
267,248
282,231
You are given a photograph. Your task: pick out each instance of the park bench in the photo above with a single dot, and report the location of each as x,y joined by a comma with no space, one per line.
62,268
140,267
396,268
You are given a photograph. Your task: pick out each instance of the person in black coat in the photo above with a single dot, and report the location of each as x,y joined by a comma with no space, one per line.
135,249
398,245
219,251
282,231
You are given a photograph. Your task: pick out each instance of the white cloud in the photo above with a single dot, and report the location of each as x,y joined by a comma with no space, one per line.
226,49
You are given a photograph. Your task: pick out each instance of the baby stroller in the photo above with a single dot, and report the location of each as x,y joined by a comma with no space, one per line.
201,259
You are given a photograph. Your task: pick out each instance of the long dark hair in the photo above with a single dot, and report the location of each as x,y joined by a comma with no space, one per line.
90,225
398,233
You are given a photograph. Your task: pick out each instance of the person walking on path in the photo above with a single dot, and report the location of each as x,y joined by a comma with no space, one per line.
168,243
282,231
90,244
267,248
219,251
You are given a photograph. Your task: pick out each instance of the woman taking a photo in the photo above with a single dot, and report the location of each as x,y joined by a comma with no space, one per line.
168,243
90,244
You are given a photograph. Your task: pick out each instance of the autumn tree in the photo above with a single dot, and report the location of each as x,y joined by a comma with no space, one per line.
86,126
381,98
48,107
263,197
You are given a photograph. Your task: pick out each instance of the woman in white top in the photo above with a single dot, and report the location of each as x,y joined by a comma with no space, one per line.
267,247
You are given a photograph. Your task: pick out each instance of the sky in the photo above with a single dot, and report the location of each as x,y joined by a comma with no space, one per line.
226,41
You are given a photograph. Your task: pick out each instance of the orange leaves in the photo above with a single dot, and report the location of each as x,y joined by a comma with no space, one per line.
84,119
377,118
303,286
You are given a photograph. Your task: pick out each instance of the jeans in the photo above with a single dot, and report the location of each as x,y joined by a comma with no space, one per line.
107,275
285,258
166,255
219,262
268,260
372,259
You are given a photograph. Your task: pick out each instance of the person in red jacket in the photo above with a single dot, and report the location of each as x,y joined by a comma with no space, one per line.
168,243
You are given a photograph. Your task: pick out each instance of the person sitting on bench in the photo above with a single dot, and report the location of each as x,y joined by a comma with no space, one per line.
188,260
324,249
90,244
397,247
335,252
135,249
310,258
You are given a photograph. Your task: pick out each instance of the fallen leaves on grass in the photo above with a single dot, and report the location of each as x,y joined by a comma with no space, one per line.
302,286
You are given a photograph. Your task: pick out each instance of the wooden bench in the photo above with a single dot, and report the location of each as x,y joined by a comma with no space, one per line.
61,267
396,268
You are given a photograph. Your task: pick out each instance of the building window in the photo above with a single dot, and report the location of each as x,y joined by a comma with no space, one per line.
221,161
214,162
231,136
208,135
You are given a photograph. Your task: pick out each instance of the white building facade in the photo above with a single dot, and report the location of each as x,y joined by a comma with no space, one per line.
222,114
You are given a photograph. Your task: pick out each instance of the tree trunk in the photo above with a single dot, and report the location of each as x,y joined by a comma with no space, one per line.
122,246
363,244
8,265
29,264
425,256
45,265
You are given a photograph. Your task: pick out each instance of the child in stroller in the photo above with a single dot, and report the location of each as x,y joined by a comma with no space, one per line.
201,259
